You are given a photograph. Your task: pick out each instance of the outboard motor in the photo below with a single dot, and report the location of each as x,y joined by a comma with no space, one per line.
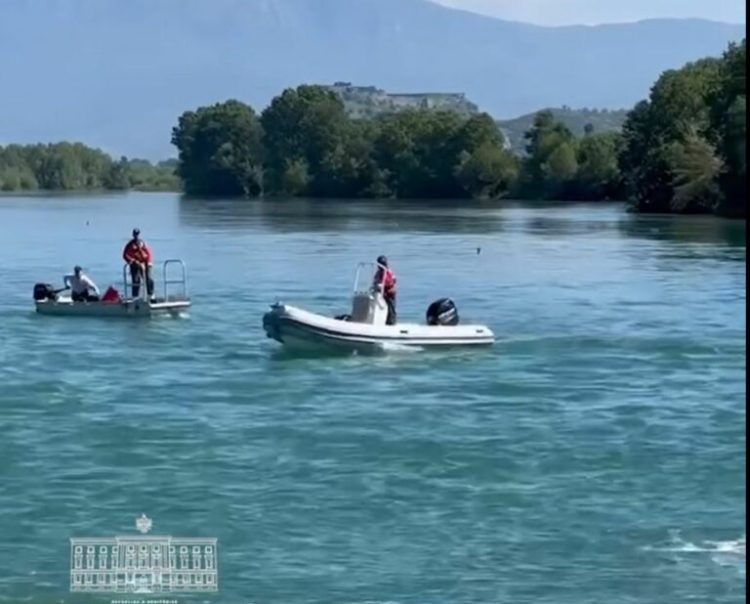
442,312
44,291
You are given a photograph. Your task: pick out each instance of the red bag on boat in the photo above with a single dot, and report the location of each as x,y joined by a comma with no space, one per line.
111,296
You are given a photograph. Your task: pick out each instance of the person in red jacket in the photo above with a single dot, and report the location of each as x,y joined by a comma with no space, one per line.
385,281
137,256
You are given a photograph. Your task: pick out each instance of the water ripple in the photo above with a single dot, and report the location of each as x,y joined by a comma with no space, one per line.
551,468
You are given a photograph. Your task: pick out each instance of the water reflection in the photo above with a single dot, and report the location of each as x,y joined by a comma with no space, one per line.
571,224
543,219
325,215
685,229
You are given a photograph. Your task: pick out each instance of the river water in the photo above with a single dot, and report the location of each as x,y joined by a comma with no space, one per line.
595,454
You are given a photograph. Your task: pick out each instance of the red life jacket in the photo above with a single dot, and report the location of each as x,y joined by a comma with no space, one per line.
387,280
134,252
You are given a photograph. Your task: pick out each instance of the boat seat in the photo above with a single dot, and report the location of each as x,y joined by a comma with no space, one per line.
362,308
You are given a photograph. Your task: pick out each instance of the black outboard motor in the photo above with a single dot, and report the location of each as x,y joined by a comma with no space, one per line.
44,291
442,312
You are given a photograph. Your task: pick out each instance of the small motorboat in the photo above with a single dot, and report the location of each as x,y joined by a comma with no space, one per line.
50,301
365,329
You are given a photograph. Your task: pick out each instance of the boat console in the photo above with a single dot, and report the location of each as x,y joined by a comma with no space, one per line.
368,304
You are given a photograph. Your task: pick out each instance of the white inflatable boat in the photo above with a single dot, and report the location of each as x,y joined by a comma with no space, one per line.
365,330
51,302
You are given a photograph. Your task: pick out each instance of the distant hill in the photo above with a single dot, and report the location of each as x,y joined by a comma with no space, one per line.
116,74
603,120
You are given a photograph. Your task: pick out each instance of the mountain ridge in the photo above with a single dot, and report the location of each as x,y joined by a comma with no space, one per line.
118,74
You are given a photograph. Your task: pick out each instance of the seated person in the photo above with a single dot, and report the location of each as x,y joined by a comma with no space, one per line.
80,286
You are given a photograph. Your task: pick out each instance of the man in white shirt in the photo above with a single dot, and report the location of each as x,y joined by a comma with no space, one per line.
80,285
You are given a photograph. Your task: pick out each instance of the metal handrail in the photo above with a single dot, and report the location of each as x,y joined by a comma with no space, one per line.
143,292
182,281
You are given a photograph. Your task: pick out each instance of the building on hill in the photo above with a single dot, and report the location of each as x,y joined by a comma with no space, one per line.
349,88
426,99
368,101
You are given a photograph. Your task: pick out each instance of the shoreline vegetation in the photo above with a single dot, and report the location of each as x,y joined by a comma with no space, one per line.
65,166
680,151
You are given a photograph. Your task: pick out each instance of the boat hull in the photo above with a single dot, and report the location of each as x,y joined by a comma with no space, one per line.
301,330
124,309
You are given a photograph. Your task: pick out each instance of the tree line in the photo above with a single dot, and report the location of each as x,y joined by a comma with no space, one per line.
74,167
682,150
305,144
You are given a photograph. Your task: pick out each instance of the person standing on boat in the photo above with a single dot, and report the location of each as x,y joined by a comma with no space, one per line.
385,282
80,286
137,255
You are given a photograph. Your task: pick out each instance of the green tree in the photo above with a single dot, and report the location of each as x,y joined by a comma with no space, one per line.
487,172
220,150
309,126
695,166
349,170
550,164
10,179
145,176
295,179
15,173
425,153
643,162
598,174
118,177
668,155
480,130
74,166
418,151
679,99
729,121
561,166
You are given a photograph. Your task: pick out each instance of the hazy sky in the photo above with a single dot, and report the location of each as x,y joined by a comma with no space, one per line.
567,12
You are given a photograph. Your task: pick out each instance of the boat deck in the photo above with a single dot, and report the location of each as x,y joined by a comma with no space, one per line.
126,308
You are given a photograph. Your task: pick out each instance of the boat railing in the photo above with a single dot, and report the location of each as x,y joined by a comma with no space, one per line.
167,281
181,281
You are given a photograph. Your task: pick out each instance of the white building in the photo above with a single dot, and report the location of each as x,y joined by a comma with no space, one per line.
143,564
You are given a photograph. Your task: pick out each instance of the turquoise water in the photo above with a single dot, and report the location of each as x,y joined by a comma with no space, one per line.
595,454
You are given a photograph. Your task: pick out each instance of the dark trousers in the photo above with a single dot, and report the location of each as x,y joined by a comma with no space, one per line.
84,297
391,302
136,274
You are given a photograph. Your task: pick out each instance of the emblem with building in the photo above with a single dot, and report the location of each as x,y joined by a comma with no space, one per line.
144,563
